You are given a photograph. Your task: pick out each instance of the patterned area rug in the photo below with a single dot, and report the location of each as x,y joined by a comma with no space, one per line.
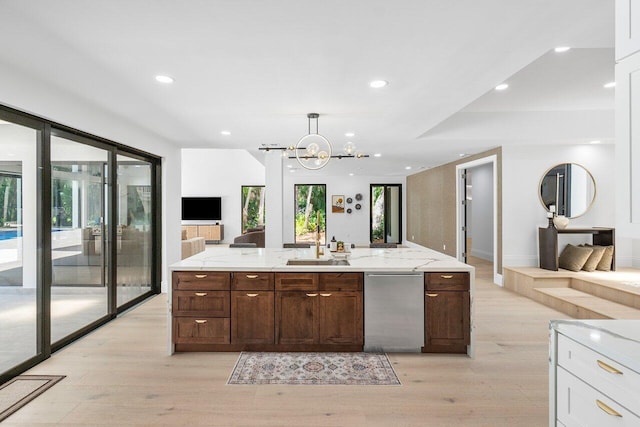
19,391
313,369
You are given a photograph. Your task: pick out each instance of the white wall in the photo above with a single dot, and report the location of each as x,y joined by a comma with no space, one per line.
25,93
222,173
354,227
482,211
523,213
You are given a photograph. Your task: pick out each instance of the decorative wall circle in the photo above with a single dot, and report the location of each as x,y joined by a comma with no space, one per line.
349,200
358,196
349,210
358,206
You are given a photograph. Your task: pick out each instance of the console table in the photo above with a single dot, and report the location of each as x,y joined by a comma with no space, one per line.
548,243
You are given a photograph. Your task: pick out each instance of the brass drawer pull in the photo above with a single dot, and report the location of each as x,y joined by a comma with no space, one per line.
252,276
609,368
312,295
200,276
325,295
608,409
200,322
252,295
431,295
201,294
446,276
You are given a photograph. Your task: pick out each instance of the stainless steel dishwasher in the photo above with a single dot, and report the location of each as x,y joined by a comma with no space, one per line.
393,312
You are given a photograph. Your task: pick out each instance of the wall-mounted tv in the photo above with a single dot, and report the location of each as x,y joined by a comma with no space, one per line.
202,208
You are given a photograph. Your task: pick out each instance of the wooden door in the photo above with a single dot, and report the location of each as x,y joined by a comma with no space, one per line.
447,318
297,317
341,318
252,317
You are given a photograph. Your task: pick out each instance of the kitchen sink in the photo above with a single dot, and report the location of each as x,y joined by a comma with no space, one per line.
318,262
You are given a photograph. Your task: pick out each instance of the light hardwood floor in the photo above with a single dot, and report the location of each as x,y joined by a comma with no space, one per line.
122,375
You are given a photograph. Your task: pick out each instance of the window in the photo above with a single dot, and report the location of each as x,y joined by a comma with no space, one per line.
310,212
386,213
252,207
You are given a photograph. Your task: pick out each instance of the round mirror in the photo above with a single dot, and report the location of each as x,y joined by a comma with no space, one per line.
570,188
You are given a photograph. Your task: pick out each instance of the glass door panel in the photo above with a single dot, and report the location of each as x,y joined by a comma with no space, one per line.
386,213
19,288
134,260
79,292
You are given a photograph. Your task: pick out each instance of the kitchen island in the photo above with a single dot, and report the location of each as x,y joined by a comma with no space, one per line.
272,299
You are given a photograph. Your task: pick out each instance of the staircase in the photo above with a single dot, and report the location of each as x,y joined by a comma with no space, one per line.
581,295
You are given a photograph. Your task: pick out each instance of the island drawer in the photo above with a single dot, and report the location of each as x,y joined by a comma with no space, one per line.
296,281
241,281
340,281
201,280
201,303
201,330
446,281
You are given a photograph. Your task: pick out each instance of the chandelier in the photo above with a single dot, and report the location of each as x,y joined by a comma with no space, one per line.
313,151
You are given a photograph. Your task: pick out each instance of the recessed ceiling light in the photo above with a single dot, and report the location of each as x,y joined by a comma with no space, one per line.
610,85
377,84
349,134
164,79
289,166
351,173
502,86
561,49
377,155
595,142
407,167
462,154
225,132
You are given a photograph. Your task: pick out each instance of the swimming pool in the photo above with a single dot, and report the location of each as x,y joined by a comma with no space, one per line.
10,234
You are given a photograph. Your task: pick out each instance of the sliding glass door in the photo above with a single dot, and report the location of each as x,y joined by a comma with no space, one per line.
19,287
386,213
135,202
79,288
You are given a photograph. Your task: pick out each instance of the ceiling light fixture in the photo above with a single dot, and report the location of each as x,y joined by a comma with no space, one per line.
595,142
377,155
502,86
377,84
610,85
164,79
225,132
407,167
313,151
562,49
349,134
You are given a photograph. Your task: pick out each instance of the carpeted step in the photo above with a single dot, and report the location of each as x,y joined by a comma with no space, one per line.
581,305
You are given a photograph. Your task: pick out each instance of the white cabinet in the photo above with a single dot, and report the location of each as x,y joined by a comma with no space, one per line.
627,28
595,373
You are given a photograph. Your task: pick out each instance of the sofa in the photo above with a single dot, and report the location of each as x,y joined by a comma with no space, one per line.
191,246
253,235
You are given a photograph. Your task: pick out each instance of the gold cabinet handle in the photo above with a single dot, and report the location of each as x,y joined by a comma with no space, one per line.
325,295
312,295
608,409
252,276
446,276
200,322
609,368
201,294
200,276
252,295
431,295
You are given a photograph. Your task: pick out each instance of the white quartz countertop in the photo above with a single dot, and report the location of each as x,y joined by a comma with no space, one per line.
616,339
360,259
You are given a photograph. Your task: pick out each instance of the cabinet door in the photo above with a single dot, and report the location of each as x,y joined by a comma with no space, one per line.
192,231
209,232
252,317
296,317
341,318
447,318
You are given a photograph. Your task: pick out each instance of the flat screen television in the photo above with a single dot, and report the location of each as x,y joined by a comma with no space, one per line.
202,208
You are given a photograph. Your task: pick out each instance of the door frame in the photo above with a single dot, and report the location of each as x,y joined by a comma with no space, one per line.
460,210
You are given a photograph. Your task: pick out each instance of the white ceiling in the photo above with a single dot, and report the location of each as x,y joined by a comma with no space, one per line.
257,68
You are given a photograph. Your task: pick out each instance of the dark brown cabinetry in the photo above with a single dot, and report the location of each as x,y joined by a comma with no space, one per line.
447,313
263,311
252,304
201,308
